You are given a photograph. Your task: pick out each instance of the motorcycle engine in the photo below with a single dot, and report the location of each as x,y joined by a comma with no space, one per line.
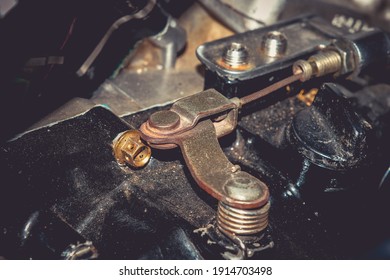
210,129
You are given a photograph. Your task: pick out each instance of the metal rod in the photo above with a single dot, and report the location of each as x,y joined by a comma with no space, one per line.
265,91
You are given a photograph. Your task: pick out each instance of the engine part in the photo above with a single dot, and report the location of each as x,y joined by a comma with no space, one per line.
236,172
301,38
347,56
327,62
128,148
274,44
171,40
235,55
243,199
242,222
80,252
329,133
184,125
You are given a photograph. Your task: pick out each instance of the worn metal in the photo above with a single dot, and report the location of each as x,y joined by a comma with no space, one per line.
171,40
215,173
274,44
122,211
235,55
256,12
348,55
235,20
190,110
131,92
323,63
304,35
265,91
242,222
129,149
194,124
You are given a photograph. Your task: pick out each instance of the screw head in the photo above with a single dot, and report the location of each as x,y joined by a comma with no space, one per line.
164,120
244,187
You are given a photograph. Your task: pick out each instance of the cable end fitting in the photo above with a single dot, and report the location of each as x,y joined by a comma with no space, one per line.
323,63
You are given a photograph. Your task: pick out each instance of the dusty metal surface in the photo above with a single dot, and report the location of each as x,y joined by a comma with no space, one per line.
72,108
143,83
186,113
216,174
186,126
146,90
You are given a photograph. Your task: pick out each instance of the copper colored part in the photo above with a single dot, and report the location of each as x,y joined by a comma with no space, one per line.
265,91
204,117
235,57
129,149
242,222
191,110
242,67
164,120
214,173
194,124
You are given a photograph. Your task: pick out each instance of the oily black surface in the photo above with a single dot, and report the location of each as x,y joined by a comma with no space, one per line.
68,169
62,186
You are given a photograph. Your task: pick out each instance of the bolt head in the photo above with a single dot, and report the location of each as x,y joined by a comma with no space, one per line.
164,120
244,187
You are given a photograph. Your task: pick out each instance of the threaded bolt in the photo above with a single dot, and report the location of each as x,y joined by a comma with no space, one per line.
274,44
321,64
235,55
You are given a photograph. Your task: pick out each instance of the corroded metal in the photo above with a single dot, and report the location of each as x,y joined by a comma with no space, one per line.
215,174
162,130
194,124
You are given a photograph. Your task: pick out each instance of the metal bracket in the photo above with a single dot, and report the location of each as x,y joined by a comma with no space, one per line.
194,124
163,128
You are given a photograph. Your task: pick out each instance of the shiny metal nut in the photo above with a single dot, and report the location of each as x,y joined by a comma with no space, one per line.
129,149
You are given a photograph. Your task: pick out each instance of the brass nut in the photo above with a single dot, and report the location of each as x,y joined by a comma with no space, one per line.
129,149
